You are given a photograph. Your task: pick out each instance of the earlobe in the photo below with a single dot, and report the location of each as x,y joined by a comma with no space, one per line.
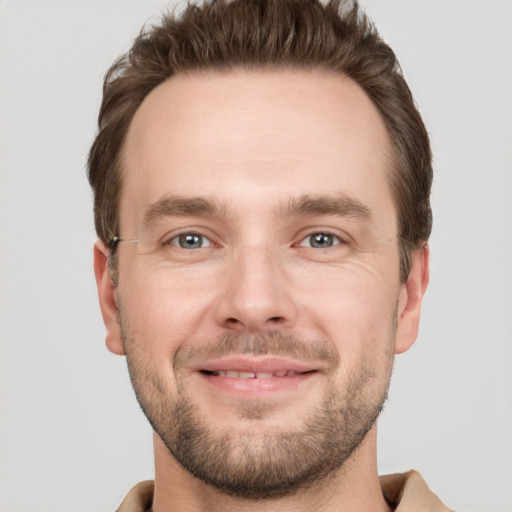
107,299
409,303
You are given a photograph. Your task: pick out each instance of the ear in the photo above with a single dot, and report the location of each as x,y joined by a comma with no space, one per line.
107,298
409,302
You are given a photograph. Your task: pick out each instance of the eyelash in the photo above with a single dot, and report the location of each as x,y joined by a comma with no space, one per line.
175,240
336,240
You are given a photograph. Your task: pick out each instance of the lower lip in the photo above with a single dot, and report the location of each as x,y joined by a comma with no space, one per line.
256,386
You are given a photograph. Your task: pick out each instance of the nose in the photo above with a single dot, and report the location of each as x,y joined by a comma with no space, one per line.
257,293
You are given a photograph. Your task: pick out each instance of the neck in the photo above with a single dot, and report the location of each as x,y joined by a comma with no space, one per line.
354,488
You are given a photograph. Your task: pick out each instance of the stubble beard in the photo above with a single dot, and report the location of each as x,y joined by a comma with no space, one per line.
264,463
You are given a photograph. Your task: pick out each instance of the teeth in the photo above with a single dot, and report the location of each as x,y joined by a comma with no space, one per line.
252,375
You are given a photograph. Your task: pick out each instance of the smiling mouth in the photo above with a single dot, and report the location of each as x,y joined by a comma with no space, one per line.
233,374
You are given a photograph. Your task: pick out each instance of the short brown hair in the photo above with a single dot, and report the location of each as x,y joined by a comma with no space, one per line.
270,34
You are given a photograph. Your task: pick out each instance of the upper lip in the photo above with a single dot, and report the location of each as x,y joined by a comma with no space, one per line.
255,364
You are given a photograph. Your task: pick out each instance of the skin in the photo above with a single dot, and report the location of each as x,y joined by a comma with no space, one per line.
254,142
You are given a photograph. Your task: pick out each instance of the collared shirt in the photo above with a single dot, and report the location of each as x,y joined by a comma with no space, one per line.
405,492
408,492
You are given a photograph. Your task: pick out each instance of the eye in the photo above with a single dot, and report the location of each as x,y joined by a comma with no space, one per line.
319,241
190,241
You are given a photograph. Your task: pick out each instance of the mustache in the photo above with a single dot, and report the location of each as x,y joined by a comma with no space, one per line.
275,343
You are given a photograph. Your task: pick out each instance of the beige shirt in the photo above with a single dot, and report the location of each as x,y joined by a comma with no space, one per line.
405,492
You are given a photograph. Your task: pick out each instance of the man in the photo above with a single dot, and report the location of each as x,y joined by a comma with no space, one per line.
262,181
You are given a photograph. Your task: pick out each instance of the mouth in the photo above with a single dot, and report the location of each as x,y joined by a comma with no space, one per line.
234,374
249,376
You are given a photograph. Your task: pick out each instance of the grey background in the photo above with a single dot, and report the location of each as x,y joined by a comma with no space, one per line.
71,435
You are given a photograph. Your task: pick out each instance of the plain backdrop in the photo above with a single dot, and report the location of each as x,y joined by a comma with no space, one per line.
72,437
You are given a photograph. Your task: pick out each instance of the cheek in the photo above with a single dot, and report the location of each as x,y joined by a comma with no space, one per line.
165,307
352,307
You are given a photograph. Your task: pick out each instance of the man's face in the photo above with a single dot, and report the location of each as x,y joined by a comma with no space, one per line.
261,308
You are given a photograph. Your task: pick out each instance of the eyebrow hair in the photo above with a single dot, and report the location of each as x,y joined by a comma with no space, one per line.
339,204
170,206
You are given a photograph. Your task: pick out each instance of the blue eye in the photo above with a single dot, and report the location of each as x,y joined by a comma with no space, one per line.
190,241
320,241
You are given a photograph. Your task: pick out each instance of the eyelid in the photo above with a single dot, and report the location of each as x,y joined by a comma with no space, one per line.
341,237
174,235
337,241
175,240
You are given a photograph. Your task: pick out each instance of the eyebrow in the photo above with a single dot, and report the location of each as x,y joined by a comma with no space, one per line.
176,206
338,204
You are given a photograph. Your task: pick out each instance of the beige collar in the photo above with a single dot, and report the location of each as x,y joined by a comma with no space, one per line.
405,492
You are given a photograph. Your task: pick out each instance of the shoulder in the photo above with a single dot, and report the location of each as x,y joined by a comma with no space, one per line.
408,491
139,499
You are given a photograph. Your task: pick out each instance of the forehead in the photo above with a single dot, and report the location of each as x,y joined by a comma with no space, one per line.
254,136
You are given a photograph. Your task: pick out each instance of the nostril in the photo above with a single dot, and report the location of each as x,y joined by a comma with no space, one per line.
232,321
235,323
